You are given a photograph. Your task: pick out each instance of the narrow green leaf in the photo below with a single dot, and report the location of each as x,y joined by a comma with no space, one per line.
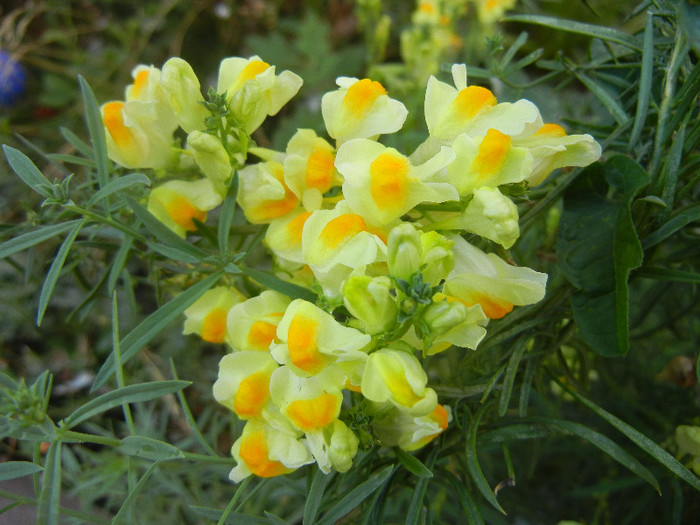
509,376
670,171
96,129
668,274
121,515
643,442
470,509
128,394
50,495
275,520
17,469
275,283
315,496
512,50
162,232
55,271
606,98
148,448
234,518
118,185
413,464
571,26
119,262
644,93
71,159
356,496
32,238
173,253
27,171
153,324
675,223
228,209
473,463
415,506
78,143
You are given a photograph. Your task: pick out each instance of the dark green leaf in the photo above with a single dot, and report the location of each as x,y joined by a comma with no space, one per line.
609,100
228,209
17,469
148,448
50,496
470,509
509,377
604,33
27,171
119,184
675,223
234,518
119,262
315,497
55,271
275,283
668,274
128,394
97,131
415,506
77,142
153,324
120,516
473,463
644,94
33,238
275,520
413,464
356,496
597,247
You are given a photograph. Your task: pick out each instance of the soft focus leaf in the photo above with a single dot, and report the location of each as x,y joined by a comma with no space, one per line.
93,117
33,238
413,464
27,171
315,496
149,448
119,185
50,496
17,469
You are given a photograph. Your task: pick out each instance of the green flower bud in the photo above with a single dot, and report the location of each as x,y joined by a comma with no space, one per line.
370,300
182,86
212,159
442,316
438,258
404,251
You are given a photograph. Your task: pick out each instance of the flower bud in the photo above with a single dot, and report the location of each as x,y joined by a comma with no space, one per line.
437,257
404,251
370,300
440,317
211,157
182,86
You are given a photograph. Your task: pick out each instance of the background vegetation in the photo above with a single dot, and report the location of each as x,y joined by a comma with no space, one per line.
567,411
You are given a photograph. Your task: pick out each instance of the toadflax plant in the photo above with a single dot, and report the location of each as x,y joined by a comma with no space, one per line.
373,242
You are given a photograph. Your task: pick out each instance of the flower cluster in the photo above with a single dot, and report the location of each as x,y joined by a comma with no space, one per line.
373,233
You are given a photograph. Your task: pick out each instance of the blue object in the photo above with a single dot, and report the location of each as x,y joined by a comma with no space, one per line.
13,79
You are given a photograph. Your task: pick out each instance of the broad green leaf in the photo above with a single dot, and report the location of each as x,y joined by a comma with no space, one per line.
148,448
473,463
675,223
315,496
571,26
228,209
162,232
128,394
32,238
643,442
27,171
597,247
55,271
413,464
120,516
96,129
644,94
275,283
356,496
153,325
119,184
17,469
50,495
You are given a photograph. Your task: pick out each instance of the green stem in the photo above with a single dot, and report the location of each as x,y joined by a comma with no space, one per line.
106,220
71,436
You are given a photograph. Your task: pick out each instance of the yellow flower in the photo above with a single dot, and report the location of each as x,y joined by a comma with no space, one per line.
176,203
397,428
207,316
183,89
243,384
263,193
252,324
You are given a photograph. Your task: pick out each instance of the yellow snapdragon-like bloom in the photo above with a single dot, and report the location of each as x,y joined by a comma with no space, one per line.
399,429
267,451
211,158
263,193
252,324
184,94
207,316
397,377
312,339
381,185
243,384
253,89
284,236
361,109
488,281
490,11
176,203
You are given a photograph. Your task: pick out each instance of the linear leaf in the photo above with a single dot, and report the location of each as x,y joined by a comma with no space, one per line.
50,495
571,26
32,238
668,274
119,184
644,94
128,394
153,324
228,209
606,98
27,171
356,496
234,518
465,499
413,464
315,496
78,143
509,376
134,492
149,448
473,463
162,232
17,469
275,520
675,223
275,283
55,271
415,506
118,263
643,442
173,253
71,159
96,129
